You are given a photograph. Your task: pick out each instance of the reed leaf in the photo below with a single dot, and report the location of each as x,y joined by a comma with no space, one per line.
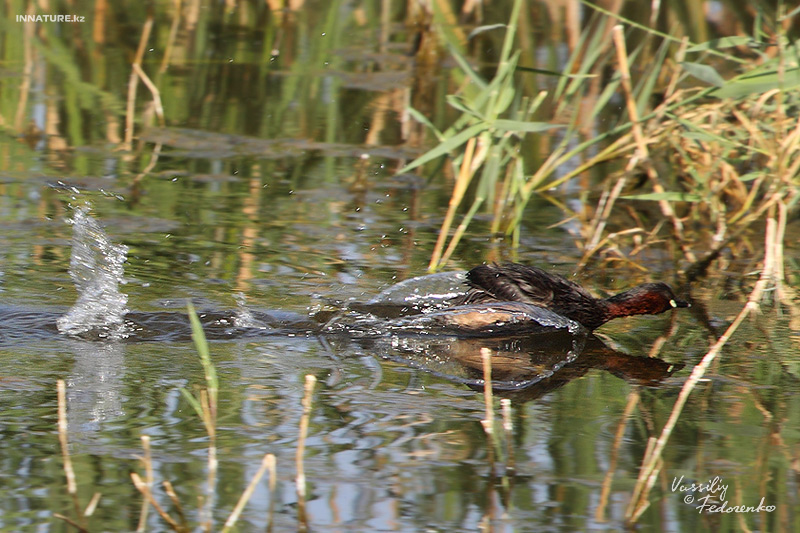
759,83
705,73
718,44
670,196
446,146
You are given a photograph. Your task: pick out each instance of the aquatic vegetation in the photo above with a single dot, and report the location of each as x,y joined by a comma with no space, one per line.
205,406
731,143
665,144
732,147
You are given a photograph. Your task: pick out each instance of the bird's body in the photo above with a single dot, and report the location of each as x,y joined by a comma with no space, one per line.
514,282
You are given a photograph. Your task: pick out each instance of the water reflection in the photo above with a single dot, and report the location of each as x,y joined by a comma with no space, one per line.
519,362
261,187
95,384
523,368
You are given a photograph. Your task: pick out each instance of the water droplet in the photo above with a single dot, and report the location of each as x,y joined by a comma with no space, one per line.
97,269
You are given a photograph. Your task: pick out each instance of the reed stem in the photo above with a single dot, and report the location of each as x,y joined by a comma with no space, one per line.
267,463
63,439
311,380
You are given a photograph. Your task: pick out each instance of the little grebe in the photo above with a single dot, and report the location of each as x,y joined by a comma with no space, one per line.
512,282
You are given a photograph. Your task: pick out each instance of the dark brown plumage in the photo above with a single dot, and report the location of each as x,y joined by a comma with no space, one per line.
513,282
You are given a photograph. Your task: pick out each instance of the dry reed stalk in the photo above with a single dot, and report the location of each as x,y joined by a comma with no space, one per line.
625,78
170,490
785,294
311,380
604,207
460,230
159,107
651,463
90,509
633,400
150,165
488,422
63,439
269,459
27,69
209,405
465,175
148,469
488,427
508,428
132,83
99,19
643,155
671,94
273,483
71,522
473,8
142,487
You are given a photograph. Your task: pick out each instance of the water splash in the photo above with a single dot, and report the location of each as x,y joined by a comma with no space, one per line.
243,317
97,269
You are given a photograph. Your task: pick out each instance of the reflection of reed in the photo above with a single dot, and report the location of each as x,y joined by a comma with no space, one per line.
27,68
772,274
494,449
250,230
566,14
133,82
136,74
69,472
630,405
278,6
173,32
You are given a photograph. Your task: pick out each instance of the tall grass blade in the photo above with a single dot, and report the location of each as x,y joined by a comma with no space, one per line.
446,147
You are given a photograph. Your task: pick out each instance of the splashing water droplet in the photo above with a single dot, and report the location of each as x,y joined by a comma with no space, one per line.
243,318
97,269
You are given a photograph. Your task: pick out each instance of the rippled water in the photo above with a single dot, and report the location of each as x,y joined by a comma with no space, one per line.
273,205
395,439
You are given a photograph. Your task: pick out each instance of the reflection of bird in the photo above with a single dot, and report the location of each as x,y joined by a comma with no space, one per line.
512,282
524,367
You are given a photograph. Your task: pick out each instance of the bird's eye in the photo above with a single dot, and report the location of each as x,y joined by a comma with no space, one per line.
673,303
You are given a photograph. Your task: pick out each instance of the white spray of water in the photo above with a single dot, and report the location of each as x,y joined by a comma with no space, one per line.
97,269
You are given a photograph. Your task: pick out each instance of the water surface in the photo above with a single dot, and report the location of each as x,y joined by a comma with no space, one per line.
276,179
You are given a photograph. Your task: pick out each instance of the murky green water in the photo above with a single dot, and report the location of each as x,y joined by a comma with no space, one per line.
261,189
